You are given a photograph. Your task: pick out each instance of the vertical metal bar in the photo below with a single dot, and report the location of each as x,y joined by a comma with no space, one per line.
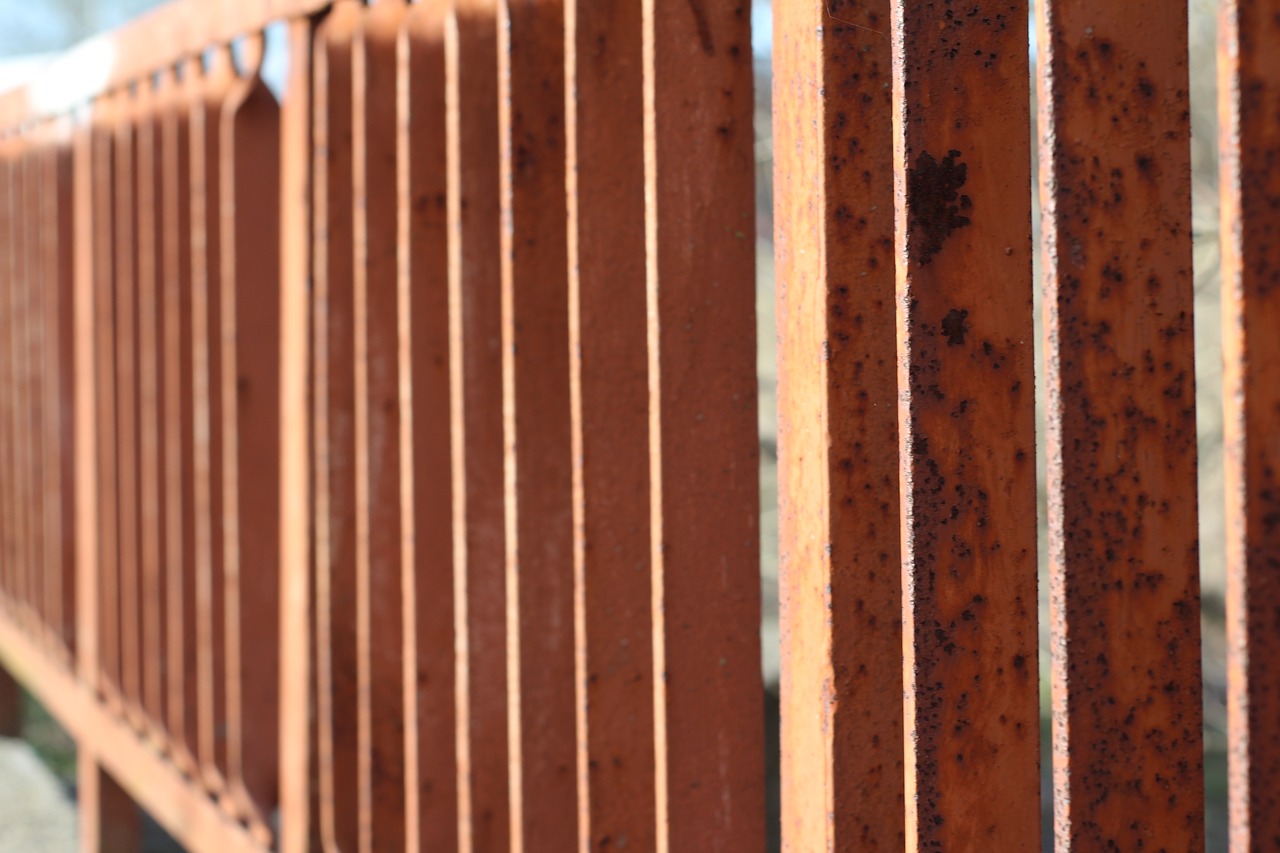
17,390
69,411
249,305
206,359
179,507
103,450
32,345
537,435
966,424
427,561
379,602
609,394
109,819
56,200
84,465
334,431
1249,96
126,319
151,492
1116,196
7,456
841,585
699,163
475,382
297,729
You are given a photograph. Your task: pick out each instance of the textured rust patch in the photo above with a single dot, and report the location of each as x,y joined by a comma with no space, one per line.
936,205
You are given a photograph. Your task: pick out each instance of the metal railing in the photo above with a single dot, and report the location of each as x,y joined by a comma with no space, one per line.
378,454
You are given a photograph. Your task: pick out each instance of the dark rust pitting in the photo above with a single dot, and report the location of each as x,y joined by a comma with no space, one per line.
965,384
840,575
1121,439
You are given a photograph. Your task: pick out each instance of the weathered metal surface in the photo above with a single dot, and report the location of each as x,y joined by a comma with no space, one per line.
609,385
475,383
334,425
182,699
1115,161
101,451
537,438
1249,92
211,87
126,361
841,587
431,778
967,436
250,388
299,816
7,454
151,493
183,809
379,584
700,238
59,347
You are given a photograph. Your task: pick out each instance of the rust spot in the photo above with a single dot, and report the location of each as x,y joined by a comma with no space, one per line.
934,199
955,327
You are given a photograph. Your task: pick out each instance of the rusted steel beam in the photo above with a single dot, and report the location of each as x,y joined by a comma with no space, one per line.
59,389
1116,196
126,324
966,417
211,88
102,450
334,421
250,388
182,698
1249,93
109,820
297,670
8,554
841,586
537,437
145,775
431,777
699,163
609,388
379,584
475,388
86,296
150,367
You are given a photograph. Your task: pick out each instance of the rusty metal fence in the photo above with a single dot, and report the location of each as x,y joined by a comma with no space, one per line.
378,457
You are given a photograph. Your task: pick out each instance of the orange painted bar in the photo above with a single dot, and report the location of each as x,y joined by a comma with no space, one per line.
966,425
182,698
1123,540
841,584
250,388
431,776
537,436
475,387
212,88
704,487
1249,141
609,397
334,424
